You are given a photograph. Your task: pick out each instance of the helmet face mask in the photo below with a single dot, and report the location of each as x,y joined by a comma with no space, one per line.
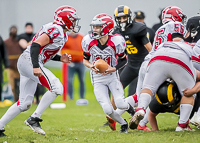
67,17
104,23
122,12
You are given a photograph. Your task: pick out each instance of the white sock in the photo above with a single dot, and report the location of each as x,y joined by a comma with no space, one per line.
198,111
131,102
115,116
144,100
145,120
12,112
185,111
45,101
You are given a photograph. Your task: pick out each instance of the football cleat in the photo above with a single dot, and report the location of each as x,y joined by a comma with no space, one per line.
33,122
195,120
124,128
1,133
137,117
111,122
131,110
144,128
184,127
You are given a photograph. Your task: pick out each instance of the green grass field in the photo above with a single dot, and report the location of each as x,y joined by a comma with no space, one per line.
82,124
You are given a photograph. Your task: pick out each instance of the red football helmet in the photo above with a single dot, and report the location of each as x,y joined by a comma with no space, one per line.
67,17
105,21
173,13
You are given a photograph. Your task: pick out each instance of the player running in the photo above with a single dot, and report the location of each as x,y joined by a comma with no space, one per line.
44,47
101,45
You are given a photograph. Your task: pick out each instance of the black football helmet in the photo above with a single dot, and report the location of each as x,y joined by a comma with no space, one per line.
193,26
120,11
168,94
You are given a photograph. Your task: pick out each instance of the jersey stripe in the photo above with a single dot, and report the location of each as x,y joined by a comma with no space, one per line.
172,60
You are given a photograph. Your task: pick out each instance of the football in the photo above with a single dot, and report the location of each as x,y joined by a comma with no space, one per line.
101,65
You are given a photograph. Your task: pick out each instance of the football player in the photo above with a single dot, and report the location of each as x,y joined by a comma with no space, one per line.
168,99
171,60
44,47
173,20
137,43
137,46
193,26
100,44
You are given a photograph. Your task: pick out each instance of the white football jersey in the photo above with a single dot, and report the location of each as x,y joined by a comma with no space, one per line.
57,41
115,46
181,45
164,33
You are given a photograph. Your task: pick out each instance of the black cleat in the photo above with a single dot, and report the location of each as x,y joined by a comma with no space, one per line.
1,133
131,110
124,128
33,122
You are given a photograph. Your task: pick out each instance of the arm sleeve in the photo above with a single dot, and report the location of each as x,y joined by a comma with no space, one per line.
35,49
121,61
143,36
56,58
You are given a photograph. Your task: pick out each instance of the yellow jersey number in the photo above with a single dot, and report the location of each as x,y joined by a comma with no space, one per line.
130,48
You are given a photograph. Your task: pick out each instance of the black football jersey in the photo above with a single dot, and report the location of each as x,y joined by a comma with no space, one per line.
135,37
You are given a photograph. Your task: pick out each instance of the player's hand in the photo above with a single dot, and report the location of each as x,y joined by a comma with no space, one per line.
65,58
109,70
37,72
93,68
188,92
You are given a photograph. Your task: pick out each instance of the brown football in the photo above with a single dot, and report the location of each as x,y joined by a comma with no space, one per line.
101,65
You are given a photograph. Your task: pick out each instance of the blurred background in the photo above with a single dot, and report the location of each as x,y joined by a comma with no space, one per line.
39,12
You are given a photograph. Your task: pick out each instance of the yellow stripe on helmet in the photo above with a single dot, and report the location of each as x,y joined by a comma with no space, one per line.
126,9
177,109
116,12
169,92
158,99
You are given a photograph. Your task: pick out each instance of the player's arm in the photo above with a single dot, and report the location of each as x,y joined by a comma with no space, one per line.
144,39
121,60
65,58
189,92
35,49
87,63
148,46
153,121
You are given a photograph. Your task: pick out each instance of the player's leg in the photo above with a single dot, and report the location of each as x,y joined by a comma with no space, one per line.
132,86
187,103
144,121
133,100
71,72
102,96
28,83
118,95
55,87
151,83
195,115
24,102
127,76
81,76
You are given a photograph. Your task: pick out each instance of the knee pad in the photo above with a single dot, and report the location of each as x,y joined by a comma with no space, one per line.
57,87
26,103
121,104
107,109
